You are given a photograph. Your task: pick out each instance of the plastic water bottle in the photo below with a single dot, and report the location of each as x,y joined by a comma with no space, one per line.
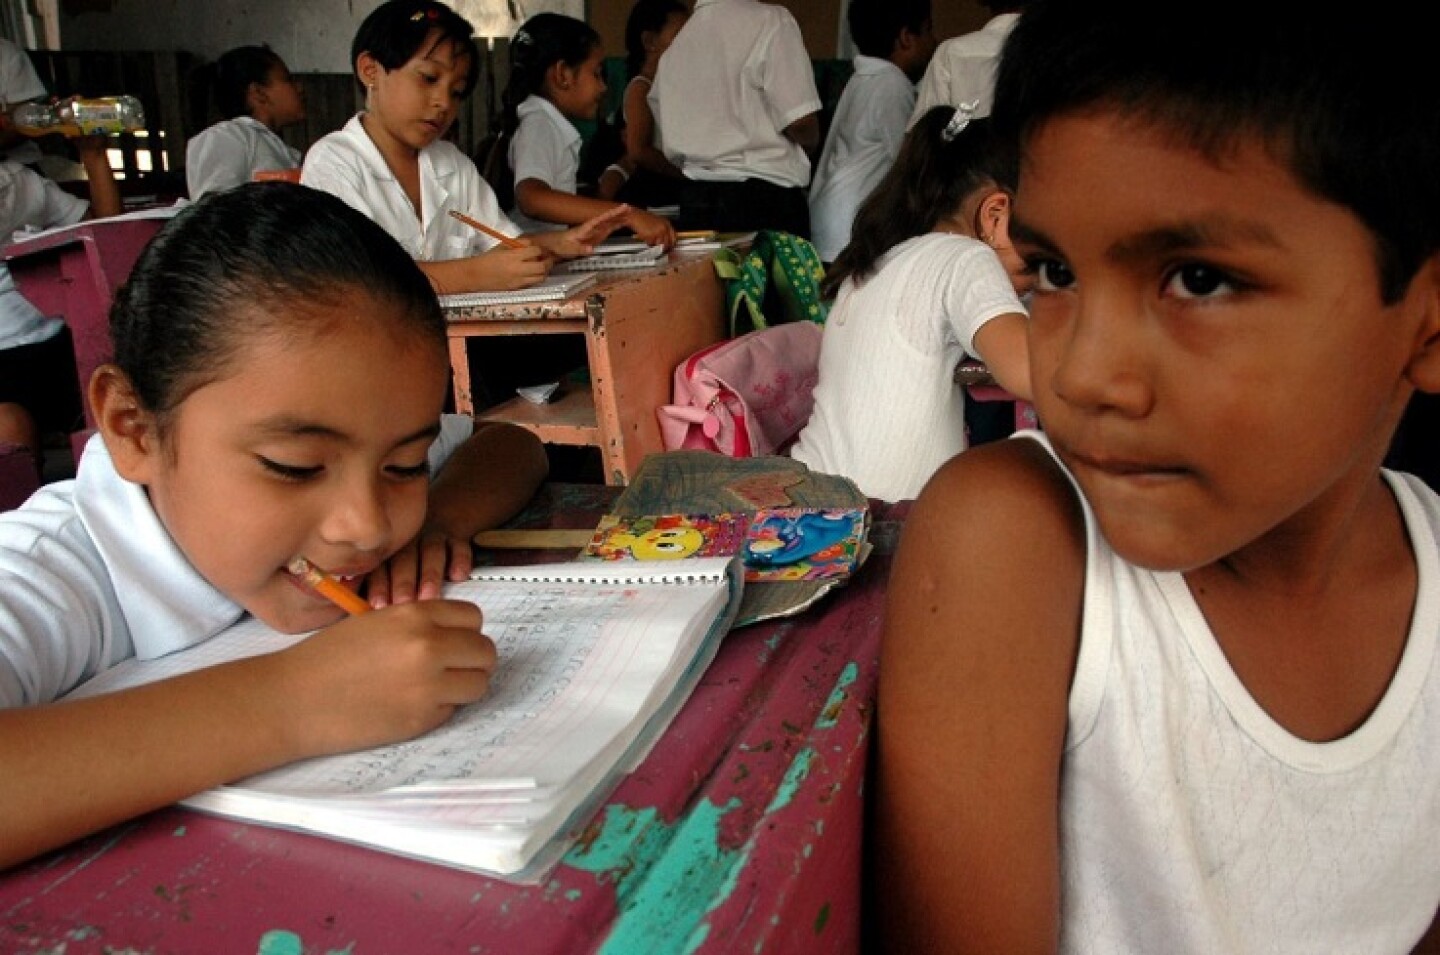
80,116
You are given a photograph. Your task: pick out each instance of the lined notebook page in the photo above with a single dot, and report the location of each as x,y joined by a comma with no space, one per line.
582,648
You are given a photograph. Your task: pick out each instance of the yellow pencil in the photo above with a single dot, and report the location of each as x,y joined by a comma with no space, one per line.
495,234
328,587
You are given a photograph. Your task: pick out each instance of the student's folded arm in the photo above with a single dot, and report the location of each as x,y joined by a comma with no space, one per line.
976,657
1003,345
487,480
805,132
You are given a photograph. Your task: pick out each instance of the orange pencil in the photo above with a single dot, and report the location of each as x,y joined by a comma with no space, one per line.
495,234
328,587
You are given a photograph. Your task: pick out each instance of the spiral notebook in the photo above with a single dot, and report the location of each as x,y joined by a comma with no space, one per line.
622,257
555,287
595,661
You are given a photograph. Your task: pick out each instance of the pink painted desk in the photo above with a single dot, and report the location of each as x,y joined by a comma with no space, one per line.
73,273
638,325
741,832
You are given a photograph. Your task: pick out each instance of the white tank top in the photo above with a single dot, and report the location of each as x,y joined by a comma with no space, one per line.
1193,822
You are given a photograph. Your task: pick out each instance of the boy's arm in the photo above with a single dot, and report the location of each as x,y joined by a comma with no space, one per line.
539,201
805,133
976,659
486,481
104,193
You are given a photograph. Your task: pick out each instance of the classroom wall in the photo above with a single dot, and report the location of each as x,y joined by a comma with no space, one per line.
313,36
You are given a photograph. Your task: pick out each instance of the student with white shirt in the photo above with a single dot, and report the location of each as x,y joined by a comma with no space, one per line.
896,39
258,97
735,102
963,68
19,83
416,61
39,392
556,78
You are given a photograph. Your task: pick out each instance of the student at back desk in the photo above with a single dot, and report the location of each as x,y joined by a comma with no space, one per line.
736,106
896,39
39,392
257,97
555,79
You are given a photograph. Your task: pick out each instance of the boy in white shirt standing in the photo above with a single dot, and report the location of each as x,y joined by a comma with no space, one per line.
896,39
735,102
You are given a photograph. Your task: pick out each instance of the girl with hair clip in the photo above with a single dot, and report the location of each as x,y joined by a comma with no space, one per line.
929,276
280,369
556,77
258,97
653,180
416,61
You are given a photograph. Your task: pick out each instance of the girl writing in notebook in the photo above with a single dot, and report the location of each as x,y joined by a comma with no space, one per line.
929,276
416,61
556,79
280,369
257,97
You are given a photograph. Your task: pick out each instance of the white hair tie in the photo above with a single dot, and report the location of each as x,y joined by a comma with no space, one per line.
963,114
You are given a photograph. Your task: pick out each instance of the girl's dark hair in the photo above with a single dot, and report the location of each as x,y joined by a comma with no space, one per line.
396,31
544,39
927,182
242,263
1344,102
234,71
647,16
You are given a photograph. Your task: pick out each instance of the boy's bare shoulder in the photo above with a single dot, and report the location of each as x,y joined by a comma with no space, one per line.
1009,490
993,550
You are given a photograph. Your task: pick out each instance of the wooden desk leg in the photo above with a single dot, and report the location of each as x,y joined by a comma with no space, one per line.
460,374
602,386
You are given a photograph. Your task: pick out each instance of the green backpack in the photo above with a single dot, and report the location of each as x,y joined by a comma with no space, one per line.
777,280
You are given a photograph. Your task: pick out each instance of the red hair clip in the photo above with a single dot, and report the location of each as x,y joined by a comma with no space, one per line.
431,13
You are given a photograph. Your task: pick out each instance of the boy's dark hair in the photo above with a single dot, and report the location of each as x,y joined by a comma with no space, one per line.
875,25
1345,101
396,31
647,16
541,41
233,73
925,184
266,249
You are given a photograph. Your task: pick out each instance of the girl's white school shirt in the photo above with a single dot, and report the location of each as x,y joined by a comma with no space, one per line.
887,410
231,152
90,577
546,146
1191,821
346,163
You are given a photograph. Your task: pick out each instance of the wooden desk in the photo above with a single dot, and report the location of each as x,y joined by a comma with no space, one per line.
73,273
741,832
638,325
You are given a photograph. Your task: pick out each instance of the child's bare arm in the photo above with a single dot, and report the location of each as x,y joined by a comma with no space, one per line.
1004,347
485,482
73,768
538,201
640,135
104,191
976,659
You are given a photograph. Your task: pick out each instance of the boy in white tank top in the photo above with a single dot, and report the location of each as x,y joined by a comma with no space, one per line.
1164,678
